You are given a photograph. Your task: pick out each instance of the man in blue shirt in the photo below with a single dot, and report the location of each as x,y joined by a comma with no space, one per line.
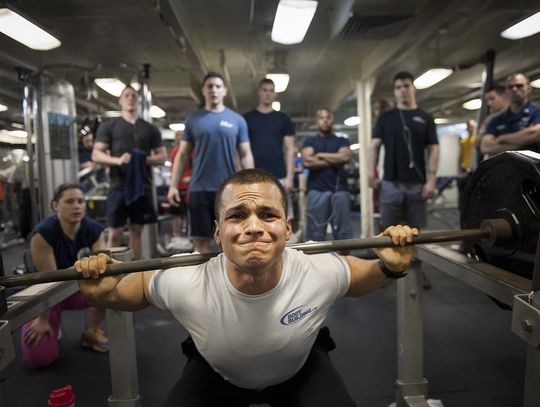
270,133
517,128
328,199
216,133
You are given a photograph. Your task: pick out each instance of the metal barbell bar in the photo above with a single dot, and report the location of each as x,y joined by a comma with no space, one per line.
490,232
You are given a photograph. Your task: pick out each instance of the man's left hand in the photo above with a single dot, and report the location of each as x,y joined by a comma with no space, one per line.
428,191
399,257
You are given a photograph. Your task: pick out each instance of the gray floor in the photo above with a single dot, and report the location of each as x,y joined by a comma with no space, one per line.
471,357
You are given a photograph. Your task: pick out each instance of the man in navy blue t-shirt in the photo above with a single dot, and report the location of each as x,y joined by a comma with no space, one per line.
270,134
328,199
517,128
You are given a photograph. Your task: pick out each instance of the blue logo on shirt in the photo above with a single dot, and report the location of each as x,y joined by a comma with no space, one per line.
296,314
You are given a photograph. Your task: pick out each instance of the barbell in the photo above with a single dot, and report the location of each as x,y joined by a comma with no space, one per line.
491,232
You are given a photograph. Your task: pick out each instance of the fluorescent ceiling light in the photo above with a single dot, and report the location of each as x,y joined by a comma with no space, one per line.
3,108
177,126
352,121
473,104
431,77
281,80
111,85
441,120
135,85
22,30
354,146
292,20
276,106
536,83
525,28
157,112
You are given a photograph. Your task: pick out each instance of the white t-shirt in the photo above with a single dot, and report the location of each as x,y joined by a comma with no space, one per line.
253,341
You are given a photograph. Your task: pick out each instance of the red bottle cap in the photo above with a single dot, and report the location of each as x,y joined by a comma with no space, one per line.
62,397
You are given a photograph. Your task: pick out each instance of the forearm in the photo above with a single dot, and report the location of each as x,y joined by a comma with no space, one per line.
314,162
156,159
126,295
489,145
335,158
366,276
179,164
247,161
101,157
290,162
373,159
521,138
433,164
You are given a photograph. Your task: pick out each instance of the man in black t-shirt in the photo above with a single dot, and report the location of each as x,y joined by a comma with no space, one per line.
129,146
406,132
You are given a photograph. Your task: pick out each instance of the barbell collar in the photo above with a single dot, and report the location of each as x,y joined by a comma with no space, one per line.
492,231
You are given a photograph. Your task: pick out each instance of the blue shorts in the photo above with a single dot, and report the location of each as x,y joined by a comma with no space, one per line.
139,212
201,211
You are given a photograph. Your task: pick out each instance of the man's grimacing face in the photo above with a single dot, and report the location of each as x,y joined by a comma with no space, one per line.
253,227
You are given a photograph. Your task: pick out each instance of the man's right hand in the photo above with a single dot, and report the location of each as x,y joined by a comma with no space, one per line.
92,268
124,159
374,181
173,196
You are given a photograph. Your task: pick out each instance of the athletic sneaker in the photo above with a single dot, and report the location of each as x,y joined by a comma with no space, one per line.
95,340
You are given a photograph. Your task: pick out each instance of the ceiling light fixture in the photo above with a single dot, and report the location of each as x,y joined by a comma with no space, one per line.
535,83
156,112
281,81
352,121
3,108
21,29
441,120
177,126
276,106
111,85
292,20
431,77
473,104
523,29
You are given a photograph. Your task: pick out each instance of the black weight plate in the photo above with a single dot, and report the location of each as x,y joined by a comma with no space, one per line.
507,186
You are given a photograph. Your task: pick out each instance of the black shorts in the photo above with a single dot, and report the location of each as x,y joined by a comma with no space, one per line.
201,211
139,212
317,383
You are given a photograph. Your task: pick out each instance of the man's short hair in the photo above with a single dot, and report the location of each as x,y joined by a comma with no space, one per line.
126,88
402,76
326,109
497,88
250,176
513,75
212,75
267,81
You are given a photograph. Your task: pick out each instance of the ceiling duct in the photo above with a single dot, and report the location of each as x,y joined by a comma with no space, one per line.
374,27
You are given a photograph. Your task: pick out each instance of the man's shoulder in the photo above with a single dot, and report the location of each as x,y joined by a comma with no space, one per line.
423,114
147,125
251,114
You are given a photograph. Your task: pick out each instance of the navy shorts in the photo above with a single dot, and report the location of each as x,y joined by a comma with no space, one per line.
139,212
201,211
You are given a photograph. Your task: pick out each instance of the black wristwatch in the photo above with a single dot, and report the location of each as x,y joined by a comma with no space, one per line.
389,273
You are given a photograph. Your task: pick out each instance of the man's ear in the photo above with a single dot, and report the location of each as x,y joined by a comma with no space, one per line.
289,229
217,238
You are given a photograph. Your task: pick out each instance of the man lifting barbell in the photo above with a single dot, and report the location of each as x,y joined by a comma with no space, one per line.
254,311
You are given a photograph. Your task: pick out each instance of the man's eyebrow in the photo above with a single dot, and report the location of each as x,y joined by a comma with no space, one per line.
238,207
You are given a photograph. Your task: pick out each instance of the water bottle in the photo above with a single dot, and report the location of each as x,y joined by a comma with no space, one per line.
63,397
